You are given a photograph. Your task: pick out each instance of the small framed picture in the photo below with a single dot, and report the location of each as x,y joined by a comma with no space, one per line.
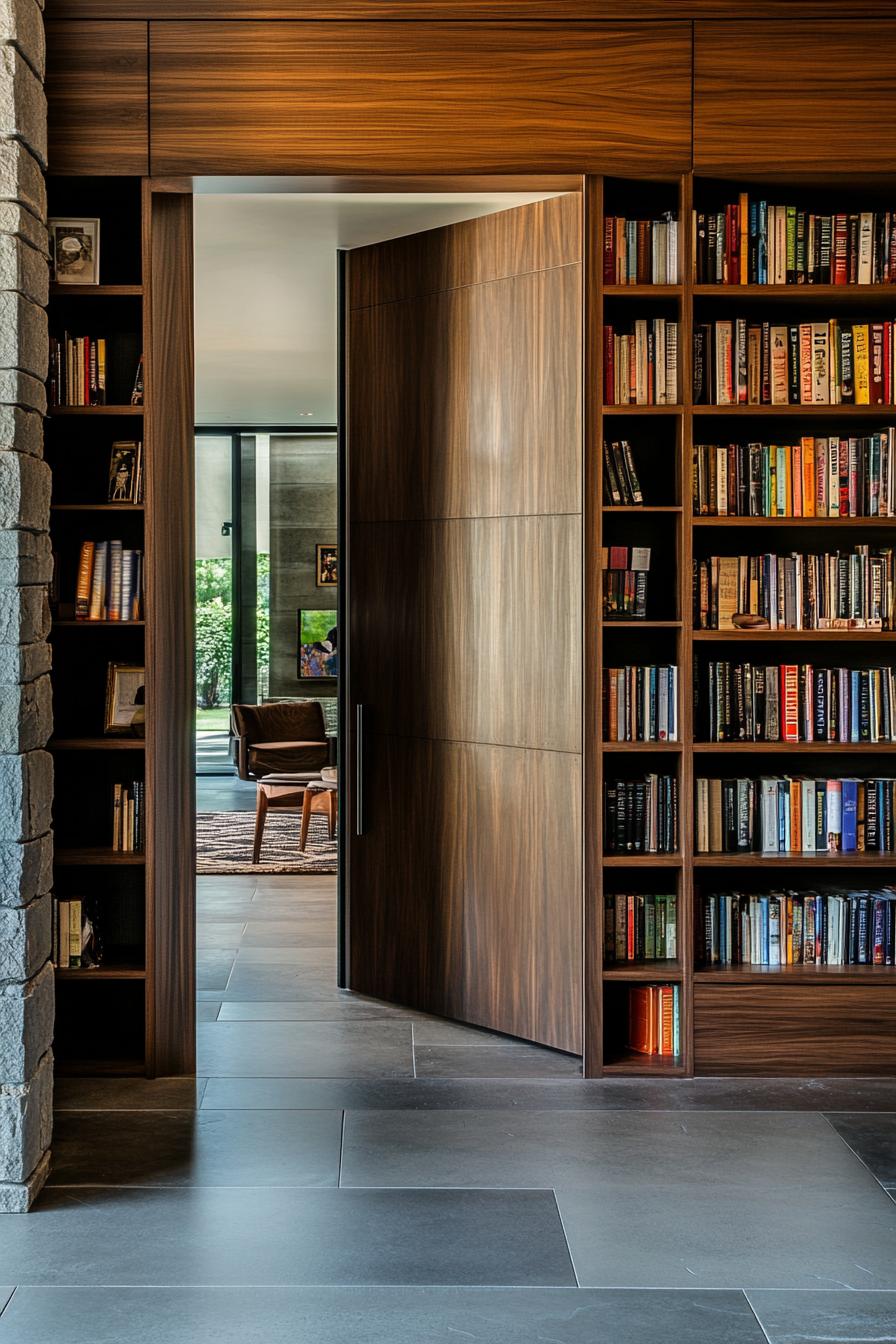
75,251
126,700
318,646
125,473
326,567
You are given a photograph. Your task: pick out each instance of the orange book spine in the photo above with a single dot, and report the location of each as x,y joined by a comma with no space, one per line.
85,579
809,477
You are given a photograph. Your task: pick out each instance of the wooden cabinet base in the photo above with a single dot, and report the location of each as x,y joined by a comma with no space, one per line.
780,1029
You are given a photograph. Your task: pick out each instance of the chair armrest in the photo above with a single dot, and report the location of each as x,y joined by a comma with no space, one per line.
242,756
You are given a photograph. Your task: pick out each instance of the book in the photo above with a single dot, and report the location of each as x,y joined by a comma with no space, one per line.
640,926
640,703
654,1020
824,926
641,815
765,815
642,252
621,482
641,363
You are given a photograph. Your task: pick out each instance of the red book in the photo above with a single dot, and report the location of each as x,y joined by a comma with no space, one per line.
609,367
888,362
790,703
609,250
876,364
642,1035
841,236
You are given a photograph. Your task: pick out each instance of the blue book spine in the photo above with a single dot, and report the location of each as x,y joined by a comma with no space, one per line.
850,799
783,800
762,245
763,930
854,697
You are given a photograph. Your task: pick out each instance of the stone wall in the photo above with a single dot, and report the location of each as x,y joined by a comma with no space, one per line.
26,769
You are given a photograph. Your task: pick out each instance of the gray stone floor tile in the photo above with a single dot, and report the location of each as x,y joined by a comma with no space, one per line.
213,1235
268,980
322,959
127,1094
213,968
376,1316
308,932
345,1007
505,1061
226,934
315,1050
873,1139
846,1317
5,1295
207,1010
176,1148
436,1031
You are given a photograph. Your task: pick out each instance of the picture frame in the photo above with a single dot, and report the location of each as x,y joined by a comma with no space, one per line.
125,472
75,251
318,652
326,567
125,700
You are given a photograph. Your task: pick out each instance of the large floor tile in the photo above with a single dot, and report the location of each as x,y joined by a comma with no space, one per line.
127,1094
490,1061
271,980
213,968
310,931
225,934
848,1318
309,1050
433,1031
211,1235
873,1139
207,1010
658,1200
322,959
5,1295
345,1007
196,1148
375,1316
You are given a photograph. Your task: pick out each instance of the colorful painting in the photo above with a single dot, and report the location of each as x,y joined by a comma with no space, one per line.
318,652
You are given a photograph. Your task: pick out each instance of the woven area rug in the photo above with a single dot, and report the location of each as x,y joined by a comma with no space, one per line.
224,844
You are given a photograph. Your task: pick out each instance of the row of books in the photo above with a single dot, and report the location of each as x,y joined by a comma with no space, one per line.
828,927
836,590
641,815
640,927
624,571
826,477
77,372
640,703
794,702
828,363
621,483
752,242
641,251
129,817
109,583
654,1019
641,363
74,940
795,815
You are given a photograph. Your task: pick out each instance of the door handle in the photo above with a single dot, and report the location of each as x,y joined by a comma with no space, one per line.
359,769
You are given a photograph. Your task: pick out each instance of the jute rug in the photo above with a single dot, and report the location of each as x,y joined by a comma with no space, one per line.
224,844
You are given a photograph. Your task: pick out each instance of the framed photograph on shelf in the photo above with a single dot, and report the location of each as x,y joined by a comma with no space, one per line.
75,251
326,566
318,652
126,472
126,700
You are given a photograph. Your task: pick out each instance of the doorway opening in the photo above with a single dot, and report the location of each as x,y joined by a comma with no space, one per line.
279,730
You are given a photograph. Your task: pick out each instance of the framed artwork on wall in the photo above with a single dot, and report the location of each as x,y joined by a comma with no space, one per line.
318,652
327,572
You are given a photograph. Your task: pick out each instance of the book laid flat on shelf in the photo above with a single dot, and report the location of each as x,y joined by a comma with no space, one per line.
750,241
624,572
640,704
821,363
110,582
840,590
640,927
641,815
641,363
829,477
795,815
128,817
825,927
654,1019
794,702
641,251
621,483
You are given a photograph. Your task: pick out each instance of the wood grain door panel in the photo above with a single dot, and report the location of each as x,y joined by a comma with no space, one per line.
781,98
404,97
97,103
773,1028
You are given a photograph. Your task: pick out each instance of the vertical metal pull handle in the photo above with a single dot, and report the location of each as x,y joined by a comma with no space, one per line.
359,770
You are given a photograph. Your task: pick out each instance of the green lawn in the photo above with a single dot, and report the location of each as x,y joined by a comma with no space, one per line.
213,720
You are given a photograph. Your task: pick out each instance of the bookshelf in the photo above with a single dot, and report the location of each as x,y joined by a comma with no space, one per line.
104,1014
748,1018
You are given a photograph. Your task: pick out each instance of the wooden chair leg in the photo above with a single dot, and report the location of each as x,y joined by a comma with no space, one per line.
331,812
261,812
307,802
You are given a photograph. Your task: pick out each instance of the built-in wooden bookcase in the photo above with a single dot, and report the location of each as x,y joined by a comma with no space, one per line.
104,1015
803,1019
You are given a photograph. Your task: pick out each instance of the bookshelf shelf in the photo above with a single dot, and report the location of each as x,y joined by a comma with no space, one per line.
97,744
95,410
715,1002
99,858
113,1027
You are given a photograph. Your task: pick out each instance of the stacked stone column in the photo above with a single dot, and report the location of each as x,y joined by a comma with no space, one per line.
26,768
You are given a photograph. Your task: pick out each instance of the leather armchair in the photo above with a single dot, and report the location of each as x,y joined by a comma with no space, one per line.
285,736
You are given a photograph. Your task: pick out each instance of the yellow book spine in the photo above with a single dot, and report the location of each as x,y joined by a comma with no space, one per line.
861,371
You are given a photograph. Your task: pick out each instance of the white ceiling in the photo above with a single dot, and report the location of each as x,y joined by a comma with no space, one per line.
265,282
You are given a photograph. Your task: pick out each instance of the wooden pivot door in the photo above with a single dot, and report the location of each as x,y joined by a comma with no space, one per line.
464,500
